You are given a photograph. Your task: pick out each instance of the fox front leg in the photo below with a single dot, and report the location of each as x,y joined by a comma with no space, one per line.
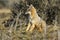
32,27
28,26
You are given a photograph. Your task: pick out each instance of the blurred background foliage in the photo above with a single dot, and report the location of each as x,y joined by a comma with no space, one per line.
13,23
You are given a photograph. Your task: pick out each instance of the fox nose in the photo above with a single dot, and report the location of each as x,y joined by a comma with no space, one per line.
27,12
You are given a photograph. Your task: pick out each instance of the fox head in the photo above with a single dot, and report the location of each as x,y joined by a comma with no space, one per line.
31,10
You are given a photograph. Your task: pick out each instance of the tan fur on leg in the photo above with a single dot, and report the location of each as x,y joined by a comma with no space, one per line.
32,27
28,27
40,29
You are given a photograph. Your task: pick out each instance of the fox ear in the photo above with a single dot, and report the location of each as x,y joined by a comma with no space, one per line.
31,6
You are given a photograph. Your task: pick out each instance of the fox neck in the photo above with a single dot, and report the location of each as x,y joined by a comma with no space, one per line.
34,15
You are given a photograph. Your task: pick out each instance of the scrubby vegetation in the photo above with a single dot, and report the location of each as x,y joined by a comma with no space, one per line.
14,22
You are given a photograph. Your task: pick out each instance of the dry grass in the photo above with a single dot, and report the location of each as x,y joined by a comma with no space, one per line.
14,33
5,10
17,27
